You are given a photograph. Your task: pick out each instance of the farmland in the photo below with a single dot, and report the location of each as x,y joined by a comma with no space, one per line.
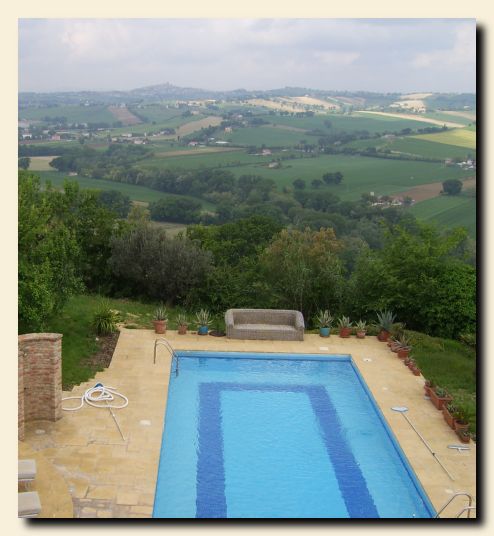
286,134
448,211
73,114
463,137
135,192
416,146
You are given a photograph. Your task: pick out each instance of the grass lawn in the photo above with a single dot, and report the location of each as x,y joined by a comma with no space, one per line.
451,365
79,339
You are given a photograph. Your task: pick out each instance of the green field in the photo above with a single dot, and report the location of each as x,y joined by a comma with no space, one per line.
136,193
412,145
361,174
351,123
464,137
449,211
266,135
449,118
156,113
211,160
73,114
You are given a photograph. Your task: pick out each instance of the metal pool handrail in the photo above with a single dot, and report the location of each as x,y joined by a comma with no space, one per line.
164,342
465,509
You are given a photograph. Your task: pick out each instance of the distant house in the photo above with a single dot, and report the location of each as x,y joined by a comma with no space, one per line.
55,137
266,152
193,143
27,136
228,129
273,165
221,142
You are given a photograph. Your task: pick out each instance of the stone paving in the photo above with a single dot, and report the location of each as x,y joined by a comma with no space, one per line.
107,476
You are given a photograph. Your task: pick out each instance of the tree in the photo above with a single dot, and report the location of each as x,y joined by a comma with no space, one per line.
299,184
303,270
146,262
452,186
24,162
317,183
175,210
116,201
419,277
47,256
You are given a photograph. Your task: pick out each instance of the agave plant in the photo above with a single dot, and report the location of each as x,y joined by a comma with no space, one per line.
203,318
385,320
324,319
361,325
182,320
344,322
161,314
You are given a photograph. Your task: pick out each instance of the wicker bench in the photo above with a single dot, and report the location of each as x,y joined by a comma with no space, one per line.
264,324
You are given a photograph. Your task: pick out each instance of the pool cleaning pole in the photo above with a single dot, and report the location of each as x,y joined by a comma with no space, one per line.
403,410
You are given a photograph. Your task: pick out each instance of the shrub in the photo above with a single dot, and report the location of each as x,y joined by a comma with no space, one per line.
105,319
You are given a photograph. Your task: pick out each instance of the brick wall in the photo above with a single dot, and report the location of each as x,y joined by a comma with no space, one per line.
40,378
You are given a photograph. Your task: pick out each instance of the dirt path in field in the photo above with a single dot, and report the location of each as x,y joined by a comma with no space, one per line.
415,118
428,191
124,115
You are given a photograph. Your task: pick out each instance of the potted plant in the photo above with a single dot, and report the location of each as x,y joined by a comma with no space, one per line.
203,321
404,347
360,329
182,323
324,320
460,421
448,411
439,397
464,435
385,321
160,319
345,327
428,385
415,370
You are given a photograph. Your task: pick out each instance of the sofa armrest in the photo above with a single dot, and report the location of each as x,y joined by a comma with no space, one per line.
299,321
229,322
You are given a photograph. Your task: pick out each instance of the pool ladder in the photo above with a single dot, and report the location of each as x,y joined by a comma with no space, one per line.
467,509
164,342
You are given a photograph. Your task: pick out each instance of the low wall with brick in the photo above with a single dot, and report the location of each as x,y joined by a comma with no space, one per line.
40,378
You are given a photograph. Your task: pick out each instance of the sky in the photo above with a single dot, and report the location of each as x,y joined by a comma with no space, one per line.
382,55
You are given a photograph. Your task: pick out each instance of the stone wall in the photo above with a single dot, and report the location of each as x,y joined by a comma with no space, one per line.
40,378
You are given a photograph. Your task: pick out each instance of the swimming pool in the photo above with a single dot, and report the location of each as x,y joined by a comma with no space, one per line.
279,436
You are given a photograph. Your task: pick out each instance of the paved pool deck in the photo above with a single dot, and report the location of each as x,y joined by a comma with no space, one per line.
87,470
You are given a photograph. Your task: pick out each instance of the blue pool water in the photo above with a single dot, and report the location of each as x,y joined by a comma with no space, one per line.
277,436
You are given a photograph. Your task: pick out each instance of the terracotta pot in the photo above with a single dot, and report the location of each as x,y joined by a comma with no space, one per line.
416,371
383,335
345,332
464,437
448,418
182,330
427,389
460,426
159,326
360,334
437,401
402,353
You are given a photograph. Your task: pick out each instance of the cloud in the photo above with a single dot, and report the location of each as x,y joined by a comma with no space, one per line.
461,53
391,55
